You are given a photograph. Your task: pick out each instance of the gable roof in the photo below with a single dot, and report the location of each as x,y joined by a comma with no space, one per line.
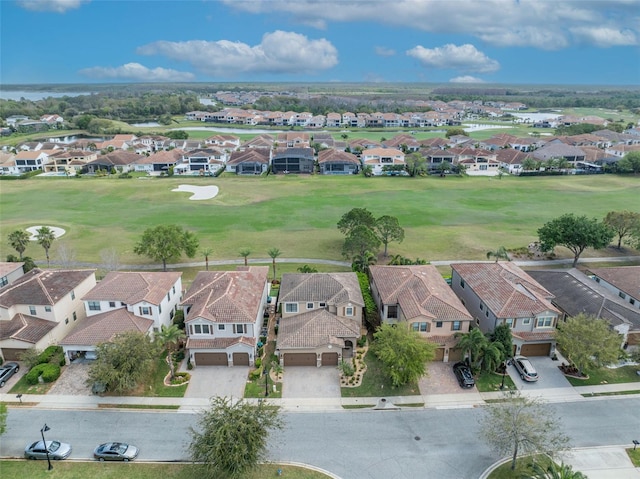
8,268
316,328
506,289
227,296
254,155
329,155
116,158
42,287
133,287
102,328
330,288
419,290
23,327
625,278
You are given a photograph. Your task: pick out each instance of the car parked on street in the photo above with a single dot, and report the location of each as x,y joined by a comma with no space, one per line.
525,369
57,450
7,370
116,451
464,375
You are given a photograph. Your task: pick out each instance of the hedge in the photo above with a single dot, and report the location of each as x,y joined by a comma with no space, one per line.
49,373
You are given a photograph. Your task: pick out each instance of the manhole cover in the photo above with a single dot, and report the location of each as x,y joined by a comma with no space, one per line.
417,438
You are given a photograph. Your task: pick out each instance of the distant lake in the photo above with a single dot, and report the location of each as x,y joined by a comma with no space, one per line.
36,95
148,123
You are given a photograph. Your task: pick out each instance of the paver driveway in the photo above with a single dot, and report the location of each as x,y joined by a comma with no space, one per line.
310,382
441,380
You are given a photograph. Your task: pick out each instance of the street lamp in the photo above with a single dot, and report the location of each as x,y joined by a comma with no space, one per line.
266,381
504,371
44,443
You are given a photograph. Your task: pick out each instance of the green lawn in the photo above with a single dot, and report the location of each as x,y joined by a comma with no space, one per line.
96,470
444,218
377,384
522,467
489,382
634,455
626,374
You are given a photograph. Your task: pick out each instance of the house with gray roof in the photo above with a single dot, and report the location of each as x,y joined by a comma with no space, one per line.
623,281
418,296
336,162
322,317
502,293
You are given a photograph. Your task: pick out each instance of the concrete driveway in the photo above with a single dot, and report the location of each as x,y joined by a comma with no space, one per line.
223,381
550,376
310,382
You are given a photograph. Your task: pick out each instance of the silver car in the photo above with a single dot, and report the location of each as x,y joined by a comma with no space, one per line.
57,450
525,369
116,451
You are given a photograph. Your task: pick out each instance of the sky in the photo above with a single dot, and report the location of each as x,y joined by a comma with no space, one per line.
553,42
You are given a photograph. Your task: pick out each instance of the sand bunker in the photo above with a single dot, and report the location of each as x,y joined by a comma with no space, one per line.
199,192
57,232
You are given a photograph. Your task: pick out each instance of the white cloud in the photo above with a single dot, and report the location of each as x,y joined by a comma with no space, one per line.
58,6
279,52
540,24
385,52
605,37
466,79
137,72
452,57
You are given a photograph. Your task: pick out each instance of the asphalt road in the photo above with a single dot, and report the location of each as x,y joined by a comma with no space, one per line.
355,444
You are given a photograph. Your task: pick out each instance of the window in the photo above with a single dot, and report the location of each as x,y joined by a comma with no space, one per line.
73,295
348,311
526,321
32,310
112,304
622,295
309,305
481,307
66,320
159,309
632,301
322,305
169,296
392,311
122,304
4,281
171,313
206,329
239,328
75,316
174,289
456,326
422,327
291,307
438,324
509,322
145,311
47,309
94,305
462,283
197,329
220,327
544,322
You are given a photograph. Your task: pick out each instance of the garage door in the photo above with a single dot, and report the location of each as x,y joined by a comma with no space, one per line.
329,359
12,354
439,354
241,359
536,349
300,359
211,359
455,354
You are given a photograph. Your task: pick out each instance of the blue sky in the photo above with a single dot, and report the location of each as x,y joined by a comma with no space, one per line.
591,42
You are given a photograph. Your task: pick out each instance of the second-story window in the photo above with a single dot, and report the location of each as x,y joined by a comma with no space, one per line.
32,310
94,305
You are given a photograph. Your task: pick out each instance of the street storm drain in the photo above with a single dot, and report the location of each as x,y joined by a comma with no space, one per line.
417,438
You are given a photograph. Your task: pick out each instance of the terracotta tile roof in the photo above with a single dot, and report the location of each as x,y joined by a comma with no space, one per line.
315,328
419,290
227,296
42,287
23,327
102,328
116,158
625,278
219,343
133,287
331,288
257,155
529,336
329,155
506,289
169,157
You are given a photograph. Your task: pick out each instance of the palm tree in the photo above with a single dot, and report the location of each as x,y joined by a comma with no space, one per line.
500,253
206,252
529,164
362,261
245,253
492,356
554,471
274,253
169,337
472,343
19,240
45,237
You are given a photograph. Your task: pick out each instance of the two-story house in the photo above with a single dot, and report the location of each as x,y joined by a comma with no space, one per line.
502,293
622,280
223,315
124,301
40,307
9,272
420,297
379,158
321,318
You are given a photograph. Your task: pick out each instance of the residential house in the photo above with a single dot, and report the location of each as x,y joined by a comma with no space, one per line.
203,162
511,160
292,160
160,162
293,139
8,164
379,158
69,162
263,141
336,162
121,302
26,161
224,311
477,162
40,307
9,272
321,318
420,297
556,149
622,280
576,293
121,161
502,293
253,161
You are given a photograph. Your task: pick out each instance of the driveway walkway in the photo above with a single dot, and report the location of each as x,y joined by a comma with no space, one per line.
222,381
310,382
73,380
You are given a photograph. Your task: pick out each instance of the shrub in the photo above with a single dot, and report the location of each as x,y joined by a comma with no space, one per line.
30,358
32,376
50,372
255,374
362,342
178,355
346,367
48,354
258,363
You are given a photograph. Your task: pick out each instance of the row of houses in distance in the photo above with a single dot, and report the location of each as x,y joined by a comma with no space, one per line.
321,313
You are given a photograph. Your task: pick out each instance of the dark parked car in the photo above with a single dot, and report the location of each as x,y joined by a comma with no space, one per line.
116,451
57,450
6,371
464,375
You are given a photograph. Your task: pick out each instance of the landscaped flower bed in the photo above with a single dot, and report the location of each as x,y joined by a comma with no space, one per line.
359,368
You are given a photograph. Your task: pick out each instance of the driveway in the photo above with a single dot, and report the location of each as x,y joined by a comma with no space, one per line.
441,380
310,382
223,381
550,376
73,380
